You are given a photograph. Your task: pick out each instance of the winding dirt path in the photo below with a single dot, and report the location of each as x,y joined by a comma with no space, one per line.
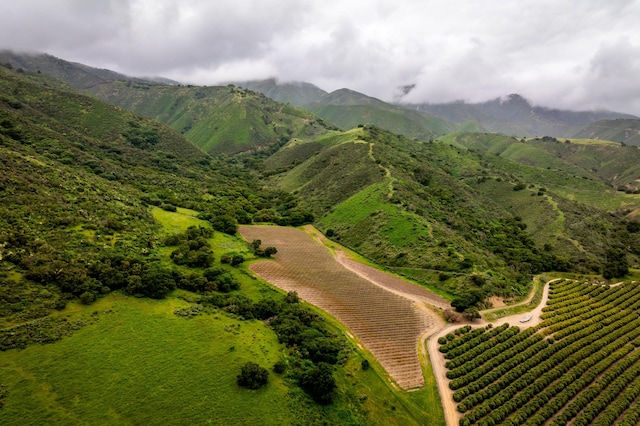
451,413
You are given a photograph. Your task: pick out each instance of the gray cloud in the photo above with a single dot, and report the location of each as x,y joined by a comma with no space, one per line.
559,53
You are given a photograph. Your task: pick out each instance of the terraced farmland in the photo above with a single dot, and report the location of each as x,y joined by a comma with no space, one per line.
579,366
388,324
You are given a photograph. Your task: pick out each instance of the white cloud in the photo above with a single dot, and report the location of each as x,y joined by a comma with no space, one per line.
555,52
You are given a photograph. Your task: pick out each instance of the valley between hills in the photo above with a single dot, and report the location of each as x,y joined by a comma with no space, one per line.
270,253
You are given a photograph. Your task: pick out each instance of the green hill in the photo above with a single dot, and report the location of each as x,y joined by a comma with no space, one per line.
217,119
457,218
626,131
614,164
348,109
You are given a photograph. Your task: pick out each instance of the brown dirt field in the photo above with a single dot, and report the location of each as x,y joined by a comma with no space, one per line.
387,323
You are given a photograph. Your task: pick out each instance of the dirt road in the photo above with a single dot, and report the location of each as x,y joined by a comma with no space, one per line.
451,413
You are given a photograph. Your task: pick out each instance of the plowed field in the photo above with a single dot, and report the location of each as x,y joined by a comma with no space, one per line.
385,321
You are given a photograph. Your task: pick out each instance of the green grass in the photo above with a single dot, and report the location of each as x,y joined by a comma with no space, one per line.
176,222
539,212
369,209
141,364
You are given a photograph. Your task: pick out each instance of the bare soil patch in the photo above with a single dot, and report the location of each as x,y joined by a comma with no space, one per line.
387,323
497,302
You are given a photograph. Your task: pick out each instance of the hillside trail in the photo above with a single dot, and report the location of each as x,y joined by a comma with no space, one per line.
387,172
452,415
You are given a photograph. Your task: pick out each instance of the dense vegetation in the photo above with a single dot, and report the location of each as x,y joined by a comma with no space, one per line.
580,364
218,119
93,170
469,222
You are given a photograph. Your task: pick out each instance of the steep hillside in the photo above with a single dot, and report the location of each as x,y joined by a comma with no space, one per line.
349,109
514,115
459,220
78,177
626,131
218,119
77,75
296,93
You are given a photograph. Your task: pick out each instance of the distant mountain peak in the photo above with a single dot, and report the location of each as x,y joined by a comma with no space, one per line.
514,98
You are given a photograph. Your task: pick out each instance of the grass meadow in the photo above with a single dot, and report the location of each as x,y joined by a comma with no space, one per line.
141,364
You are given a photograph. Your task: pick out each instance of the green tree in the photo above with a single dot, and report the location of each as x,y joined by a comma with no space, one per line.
319,383
224,223
253,376
616,264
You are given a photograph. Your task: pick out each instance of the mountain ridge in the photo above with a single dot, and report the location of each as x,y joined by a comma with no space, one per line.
515,115
78,75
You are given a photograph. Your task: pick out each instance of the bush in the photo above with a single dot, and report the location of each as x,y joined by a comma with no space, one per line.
319,383
87,298
168,207
519,187
279,367
292,297
225,223
253,376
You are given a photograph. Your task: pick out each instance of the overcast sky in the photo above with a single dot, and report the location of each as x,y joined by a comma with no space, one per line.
579,54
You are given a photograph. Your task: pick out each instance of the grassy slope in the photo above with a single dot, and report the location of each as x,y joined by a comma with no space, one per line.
614,164
142,364
217,119
139,363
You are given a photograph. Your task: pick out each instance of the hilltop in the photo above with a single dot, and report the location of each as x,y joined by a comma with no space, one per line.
76,74
296,93
348,108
